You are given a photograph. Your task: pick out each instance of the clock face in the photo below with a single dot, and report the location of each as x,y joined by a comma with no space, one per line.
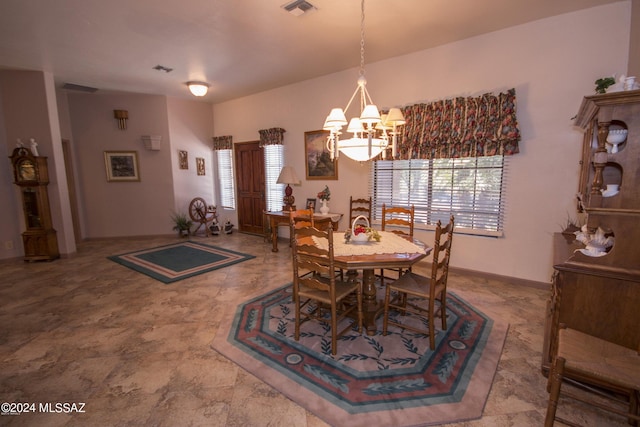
26,171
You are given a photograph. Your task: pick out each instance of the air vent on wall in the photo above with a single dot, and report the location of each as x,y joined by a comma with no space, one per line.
79,88
298,7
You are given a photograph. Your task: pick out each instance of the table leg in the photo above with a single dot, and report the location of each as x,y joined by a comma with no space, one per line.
274,235
371,307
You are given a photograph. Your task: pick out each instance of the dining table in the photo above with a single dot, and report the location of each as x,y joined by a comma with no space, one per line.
392,251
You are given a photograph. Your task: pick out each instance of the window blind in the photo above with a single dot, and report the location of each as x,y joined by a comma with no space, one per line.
471,189
226,179
273,162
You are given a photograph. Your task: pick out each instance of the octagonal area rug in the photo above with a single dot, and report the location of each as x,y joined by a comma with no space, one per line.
393,380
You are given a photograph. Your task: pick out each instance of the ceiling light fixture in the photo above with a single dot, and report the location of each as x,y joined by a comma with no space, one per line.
365,144
198,88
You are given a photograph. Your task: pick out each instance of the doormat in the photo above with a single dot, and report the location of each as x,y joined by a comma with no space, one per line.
178,261
393,380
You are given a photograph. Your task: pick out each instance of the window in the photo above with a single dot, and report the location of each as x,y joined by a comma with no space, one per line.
225,177
472,189
273,162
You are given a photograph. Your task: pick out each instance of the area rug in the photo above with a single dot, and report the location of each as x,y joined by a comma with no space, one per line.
393,380
178,261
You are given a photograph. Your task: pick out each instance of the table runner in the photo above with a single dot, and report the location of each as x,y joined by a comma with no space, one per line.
389,243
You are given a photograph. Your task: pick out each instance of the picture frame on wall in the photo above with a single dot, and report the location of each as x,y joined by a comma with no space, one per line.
318,163
311,204
183,159
200,166
121,166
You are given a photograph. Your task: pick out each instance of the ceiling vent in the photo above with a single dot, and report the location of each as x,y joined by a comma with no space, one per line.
79,88
298,7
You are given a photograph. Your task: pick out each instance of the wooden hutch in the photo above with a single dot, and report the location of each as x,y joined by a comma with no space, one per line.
600,295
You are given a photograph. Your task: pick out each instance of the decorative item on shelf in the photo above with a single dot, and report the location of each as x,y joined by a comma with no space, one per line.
596,244
366,143
603,83
288,176
611,190
615,138
324,196
152,142
122,116
34,147
630,83
198,88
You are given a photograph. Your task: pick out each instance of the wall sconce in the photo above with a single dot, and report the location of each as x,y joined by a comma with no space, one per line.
121,116
198,88
152,142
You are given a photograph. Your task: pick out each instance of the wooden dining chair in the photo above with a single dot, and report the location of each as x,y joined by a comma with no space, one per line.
317,293
422,288
300,218
403,218
359,207
599,363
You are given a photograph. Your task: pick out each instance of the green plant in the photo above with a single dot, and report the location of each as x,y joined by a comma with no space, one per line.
181,221
603,83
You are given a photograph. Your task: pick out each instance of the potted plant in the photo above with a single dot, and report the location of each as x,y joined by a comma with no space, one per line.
182,224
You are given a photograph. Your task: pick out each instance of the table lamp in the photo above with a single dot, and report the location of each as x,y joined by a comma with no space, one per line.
288,176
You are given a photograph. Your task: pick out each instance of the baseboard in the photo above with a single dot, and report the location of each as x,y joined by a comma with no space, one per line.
514,280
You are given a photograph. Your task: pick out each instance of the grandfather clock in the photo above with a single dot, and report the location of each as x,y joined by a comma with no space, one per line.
31,175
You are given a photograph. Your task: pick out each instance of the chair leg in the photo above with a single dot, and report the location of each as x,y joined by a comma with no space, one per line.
432,321
555,382
334,329
443,310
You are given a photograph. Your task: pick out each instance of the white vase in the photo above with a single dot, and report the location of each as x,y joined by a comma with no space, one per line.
324,209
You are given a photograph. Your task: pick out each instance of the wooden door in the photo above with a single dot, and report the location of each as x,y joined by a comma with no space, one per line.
251,186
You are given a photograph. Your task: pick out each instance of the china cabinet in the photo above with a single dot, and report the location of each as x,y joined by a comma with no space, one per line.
31,175
599,292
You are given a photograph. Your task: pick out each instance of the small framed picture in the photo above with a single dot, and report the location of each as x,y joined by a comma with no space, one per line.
311,204
121,166
200,165
183,158
317,159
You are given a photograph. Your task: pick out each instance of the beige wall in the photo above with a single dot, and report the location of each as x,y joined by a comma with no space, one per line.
550,67
138,208
634,47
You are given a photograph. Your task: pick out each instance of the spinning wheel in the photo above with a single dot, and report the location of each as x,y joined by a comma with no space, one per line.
201,213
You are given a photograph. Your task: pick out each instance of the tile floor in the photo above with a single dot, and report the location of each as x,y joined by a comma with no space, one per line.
134,351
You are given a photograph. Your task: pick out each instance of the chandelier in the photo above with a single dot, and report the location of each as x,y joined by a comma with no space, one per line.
371,130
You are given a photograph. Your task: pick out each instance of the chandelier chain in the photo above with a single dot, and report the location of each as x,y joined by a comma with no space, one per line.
362,38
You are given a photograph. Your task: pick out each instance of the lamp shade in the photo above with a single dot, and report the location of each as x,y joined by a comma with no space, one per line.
395,117
370,114
288,176
198,88
336,118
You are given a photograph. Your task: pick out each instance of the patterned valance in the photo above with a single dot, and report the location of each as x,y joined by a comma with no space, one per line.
273,136
222,142
485,125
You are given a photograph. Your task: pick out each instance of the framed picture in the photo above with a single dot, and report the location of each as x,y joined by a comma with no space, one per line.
311,204
183,158
121,166
317,159
200,165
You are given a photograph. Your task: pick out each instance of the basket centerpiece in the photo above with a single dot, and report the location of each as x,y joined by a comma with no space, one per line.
361,231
